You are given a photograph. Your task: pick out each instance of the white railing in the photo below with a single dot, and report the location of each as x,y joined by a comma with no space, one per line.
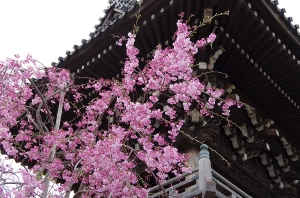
202,182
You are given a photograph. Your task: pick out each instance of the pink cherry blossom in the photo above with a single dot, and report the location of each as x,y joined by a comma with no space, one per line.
211,38
95,132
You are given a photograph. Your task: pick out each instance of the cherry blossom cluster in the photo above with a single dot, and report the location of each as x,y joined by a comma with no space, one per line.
99,142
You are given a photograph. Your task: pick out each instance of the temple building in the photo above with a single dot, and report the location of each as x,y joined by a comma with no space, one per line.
259,48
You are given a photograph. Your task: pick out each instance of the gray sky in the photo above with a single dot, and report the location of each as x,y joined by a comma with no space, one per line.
48,28
292,9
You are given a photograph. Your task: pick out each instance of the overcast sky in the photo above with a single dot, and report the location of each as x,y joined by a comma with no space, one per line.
49,28
46,28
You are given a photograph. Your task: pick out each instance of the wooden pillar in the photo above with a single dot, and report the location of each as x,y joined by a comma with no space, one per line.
206,184
193,164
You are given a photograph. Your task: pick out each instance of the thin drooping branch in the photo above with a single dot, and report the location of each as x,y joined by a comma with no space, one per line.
44,102
59,112
67,194
33,122
53,150
39,109
149,169
80,191
99,119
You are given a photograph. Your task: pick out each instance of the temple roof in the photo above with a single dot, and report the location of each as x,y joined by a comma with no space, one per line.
118,8
257,30
260,52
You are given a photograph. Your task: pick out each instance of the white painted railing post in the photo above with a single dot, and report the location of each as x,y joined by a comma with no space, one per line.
206,184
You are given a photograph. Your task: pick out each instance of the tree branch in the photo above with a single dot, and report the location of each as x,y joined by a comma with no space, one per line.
43,102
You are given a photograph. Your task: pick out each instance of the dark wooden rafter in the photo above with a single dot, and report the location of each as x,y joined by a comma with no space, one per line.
112,60
118,53
281,59
247,23
245,74
296,165
158,30
150,33
234,12
207,13
181,6
103,71
261,35
197,4
143,39
90,72
266,133
189,8
173,17
223,6
165,28
238,59
291,176
244,19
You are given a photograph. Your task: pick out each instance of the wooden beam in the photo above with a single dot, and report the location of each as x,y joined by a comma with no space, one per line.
257,146
295,165
265,133
290,175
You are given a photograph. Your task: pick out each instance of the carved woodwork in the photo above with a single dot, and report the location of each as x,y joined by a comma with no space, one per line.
206,134
229,88
266,159
290,175
124,5
247,182
253,176
237,143
283,162
292,152
278,169
286,192
256,121
116,10
261,134
213,58
257,146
